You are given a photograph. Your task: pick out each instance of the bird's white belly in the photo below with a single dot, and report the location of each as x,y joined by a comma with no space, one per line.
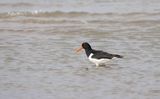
97,61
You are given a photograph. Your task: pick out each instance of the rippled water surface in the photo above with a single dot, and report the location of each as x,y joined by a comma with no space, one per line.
38,38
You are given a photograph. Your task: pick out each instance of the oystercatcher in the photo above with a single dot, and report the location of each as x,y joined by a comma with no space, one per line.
97,56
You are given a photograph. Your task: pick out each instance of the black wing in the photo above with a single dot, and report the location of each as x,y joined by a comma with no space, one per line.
100,54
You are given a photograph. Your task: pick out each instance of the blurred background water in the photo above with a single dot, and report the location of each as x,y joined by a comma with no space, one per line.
38,38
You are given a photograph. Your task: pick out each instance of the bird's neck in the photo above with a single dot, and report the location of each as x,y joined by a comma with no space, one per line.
88,52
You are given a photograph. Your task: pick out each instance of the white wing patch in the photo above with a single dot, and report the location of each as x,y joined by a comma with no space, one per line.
98,61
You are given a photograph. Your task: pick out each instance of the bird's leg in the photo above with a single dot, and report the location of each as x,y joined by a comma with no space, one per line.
97,65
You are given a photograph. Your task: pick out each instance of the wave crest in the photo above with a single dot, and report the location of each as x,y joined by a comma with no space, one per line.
39,13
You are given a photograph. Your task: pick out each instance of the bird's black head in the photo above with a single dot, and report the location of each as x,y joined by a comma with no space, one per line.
86,46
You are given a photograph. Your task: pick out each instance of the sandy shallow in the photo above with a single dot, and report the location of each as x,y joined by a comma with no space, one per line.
46,67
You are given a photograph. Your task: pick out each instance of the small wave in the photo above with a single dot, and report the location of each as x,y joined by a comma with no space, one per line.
39,13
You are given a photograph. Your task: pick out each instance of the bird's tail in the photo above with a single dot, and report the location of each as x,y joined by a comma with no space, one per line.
118,56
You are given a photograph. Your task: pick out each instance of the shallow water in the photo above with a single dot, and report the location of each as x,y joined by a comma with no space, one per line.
37,42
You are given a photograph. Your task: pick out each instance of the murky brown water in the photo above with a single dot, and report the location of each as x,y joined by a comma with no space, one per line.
37,58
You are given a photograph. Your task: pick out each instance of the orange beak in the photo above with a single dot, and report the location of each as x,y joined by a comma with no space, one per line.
79,49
